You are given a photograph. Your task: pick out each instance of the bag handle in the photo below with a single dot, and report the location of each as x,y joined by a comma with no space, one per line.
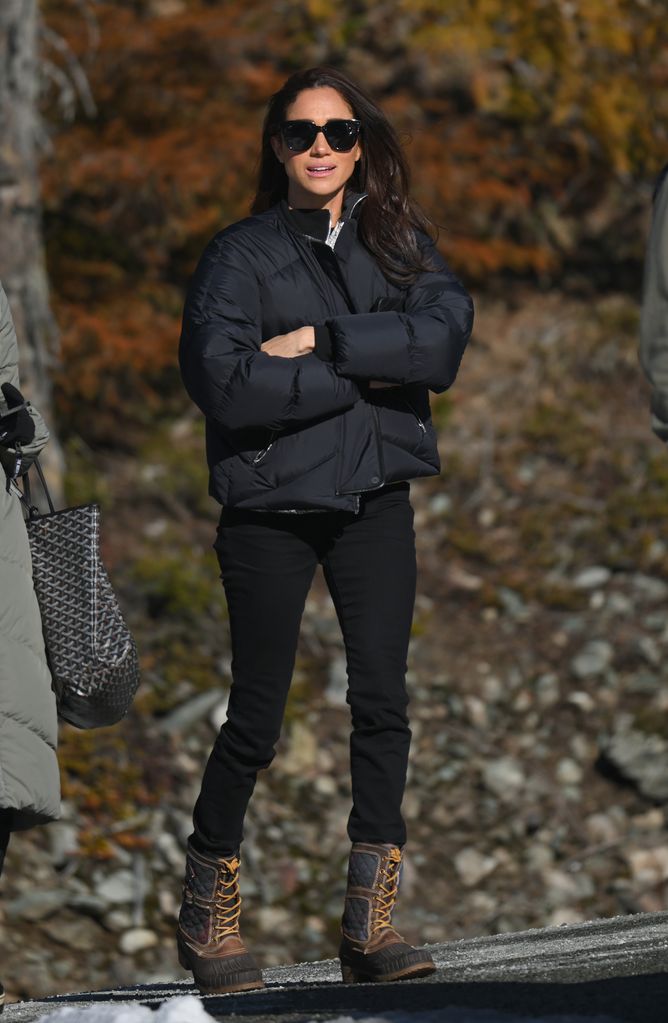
26,497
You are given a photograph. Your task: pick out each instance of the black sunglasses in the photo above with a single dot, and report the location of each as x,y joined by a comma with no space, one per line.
340,134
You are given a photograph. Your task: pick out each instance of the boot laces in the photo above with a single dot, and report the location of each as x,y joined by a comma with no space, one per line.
227,900
388,887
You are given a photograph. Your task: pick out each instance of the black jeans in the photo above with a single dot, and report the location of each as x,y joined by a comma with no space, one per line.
267,562
5,832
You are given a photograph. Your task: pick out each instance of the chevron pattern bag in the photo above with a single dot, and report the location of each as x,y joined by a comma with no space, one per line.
91,652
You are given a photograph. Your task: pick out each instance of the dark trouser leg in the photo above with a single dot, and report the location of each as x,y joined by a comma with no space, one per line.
5,823
371,573
267,566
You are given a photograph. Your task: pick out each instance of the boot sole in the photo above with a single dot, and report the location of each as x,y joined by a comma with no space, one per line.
241,980
248,985
350,975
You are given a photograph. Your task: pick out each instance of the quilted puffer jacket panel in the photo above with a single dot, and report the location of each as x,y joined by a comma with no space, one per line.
309,432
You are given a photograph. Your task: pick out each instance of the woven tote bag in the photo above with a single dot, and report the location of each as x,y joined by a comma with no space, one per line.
90,650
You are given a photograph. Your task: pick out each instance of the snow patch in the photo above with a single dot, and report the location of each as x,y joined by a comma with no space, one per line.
187,1009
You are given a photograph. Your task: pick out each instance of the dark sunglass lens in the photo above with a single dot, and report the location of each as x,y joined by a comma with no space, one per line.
342,135
298,135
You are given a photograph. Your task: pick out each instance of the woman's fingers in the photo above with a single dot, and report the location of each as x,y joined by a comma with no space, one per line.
288,346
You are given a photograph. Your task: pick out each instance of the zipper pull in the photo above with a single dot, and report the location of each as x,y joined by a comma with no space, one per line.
261,454
417,418
265,451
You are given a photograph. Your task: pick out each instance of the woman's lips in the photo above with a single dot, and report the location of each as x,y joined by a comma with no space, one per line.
320,170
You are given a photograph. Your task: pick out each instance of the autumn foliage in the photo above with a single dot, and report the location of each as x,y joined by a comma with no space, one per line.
534,128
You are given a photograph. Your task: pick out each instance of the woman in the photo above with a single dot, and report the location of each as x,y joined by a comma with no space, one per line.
29,780
312,330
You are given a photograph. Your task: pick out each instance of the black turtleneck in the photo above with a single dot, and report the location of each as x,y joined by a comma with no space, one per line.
314,223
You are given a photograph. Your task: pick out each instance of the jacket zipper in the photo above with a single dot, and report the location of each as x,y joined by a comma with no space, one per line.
315,265
333,234
379,445
331,242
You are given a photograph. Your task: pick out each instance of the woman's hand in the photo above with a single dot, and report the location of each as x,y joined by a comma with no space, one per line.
289,346
16,424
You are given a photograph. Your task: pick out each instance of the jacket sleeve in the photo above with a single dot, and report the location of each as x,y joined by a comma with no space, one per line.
654,316
234,383
9,374
421,344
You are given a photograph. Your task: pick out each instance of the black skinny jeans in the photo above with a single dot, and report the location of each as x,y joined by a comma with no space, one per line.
5,832
267,562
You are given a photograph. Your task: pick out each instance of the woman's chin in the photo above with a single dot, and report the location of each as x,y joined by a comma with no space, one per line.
322,187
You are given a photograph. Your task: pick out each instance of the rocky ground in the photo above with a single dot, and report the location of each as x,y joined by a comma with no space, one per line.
539,779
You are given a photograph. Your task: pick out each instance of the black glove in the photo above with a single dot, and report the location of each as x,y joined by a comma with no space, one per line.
12,463
16,424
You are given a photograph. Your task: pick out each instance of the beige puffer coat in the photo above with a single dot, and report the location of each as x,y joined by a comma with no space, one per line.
29,779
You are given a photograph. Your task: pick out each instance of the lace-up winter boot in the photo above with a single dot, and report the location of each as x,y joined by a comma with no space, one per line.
371,949
208,936
2,997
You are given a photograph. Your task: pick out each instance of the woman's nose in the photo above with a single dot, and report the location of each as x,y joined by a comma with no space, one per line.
320,144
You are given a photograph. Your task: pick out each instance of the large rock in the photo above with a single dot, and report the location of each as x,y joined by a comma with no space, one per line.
138,939
640,758
504,777
183,717
593,659
36,905
118,888
472,866
591,578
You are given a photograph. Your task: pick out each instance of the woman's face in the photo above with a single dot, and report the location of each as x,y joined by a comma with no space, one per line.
317,177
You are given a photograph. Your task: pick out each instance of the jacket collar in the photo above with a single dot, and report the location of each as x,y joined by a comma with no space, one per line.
316,223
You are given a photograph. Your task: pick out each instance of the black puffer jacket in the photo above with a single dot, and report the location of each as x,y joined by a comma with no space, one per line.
308,432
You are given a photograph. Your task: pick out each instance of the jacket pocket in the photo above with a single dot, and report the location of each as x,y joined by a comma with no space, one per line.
253,446
406,427
400,421
290,453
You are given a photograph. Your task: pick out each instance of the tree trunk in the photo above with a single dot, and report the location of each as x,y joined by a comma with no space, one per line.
22,264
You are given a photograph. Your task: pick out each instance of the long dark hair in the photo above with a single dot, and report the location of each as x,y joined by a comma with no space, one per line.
389,217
